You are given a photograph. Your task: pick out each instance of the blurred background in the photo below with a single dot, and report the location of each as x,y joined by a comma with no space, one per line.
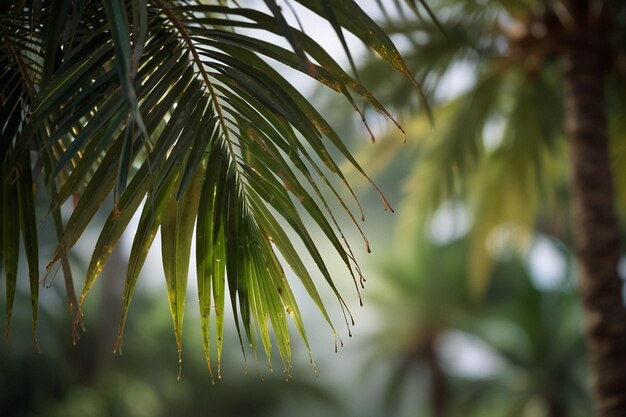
446,329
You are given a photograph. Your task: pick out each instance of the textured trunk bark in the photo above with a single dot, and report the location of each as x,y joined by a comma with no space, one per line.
595,227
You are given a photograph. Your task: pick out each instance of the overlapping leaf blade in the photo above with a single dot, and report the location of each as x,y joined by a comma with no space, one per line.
10,241
28,227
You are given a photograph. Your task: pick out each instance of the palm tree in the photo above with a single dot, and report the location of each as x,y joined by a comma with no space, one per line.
532,337
543,70
536,334
421,300
170,109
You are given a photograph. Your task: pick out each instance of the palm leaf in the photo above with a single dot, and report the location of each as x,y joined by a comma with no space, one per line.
172,108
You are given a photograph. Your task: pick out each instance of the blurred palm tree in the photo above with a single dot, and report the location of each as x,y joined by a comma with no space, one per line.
536,334
535,355
545,100
170,110
421,301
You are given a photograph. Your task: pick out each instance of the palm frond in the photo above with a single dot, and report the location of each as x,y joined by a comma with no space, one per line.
173,109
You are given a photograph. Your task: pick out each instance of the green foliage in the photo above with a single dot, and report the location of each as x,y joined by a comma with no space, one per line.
172,109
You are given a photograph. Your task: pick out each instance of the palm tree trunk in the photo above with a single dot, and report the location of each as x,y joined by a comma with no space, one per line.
595,227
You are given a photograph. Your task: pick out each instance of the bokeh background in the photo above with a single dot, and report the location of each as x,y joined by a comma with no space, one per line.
423,343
